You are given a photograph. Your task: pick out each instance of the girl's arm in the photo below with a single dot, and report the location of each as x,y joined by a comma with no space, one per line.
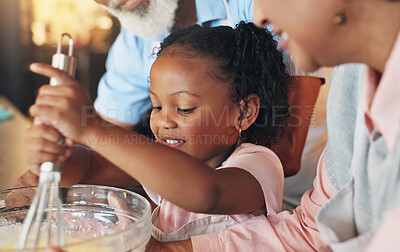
100,172
176,176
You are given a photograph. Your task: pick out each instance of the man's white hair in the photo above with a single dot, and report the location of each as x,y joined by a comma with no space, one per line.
149,20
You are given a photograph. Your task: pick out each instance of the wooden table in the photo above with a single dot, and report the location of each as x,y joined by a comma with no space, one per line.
12,132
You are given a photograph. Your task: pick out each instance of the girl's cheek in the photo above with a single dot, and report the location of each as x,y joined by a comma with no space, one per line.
153,125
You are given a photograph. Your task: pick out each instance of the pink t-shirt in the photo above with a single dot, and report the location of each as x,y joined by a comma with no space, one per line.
383,111
259,161
387,237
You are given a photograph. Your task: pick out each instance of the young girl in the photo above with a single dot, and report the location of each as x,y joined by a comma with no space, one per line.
219,96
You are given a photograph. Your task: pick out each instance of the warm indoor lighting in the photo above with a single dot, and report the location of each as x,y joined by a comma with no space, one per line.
77,17
38,33
104,22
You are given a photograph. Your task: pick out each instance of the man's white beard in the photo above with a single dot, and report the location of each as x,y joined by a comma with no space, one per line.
149,20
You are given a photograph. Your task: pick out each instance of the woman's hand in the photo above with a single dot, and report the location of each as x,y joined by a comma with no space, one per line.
66,107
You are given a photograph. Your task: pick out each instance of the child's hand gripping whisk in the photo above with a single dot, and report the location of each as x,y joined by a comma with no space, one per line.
47,202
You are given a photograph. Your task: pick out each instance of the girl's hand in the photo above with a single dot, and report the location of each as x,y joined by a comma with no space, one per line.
119,206
66,107
42,145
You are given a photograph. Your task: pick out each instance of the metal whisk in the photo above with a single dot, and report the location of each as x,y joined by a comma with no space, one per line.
45,211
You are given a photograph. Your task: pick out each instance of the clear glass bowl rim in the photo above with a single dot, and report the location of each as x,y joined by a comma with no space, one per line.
110,188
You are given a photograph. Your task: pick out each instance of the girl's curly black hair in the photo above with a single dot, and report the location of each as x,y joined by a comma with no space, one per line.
247,59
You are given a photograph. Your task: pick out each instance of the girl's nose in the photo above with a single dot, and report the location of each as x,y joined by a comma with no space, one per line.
165,120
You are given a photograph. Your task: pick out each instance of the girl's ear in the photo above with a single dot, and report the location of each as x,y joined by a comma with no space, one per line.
250,115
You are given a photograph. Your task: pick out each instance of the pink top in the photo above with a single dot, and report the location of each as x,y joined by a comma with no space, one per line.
387,237
259,161
385,116
382,103
298,231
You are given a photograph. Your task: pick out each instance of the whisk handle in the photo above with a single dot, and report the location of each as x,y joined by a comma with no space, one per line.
67,63
50,166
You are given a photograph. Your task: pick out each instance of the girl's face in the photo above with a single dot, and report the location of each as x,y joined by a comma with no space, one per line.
191,110
312,35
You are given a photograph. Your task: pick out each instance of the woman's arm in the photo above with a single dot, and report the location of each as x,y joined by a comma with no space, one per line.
284,231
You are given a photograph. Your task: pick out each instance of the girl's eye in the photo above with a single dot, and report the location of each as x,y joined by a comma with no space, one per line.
186,111
156,108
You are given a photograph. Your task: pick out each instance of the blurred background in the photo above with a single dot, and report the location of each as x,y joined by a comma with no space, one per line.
29,32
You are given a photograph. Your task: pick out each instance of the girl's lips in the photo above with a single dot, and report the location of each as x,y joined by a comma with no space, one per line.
174,143
130,4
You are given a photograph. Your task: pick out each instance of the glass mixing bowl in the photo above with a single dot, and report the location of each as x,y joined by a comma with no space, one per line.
96,218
